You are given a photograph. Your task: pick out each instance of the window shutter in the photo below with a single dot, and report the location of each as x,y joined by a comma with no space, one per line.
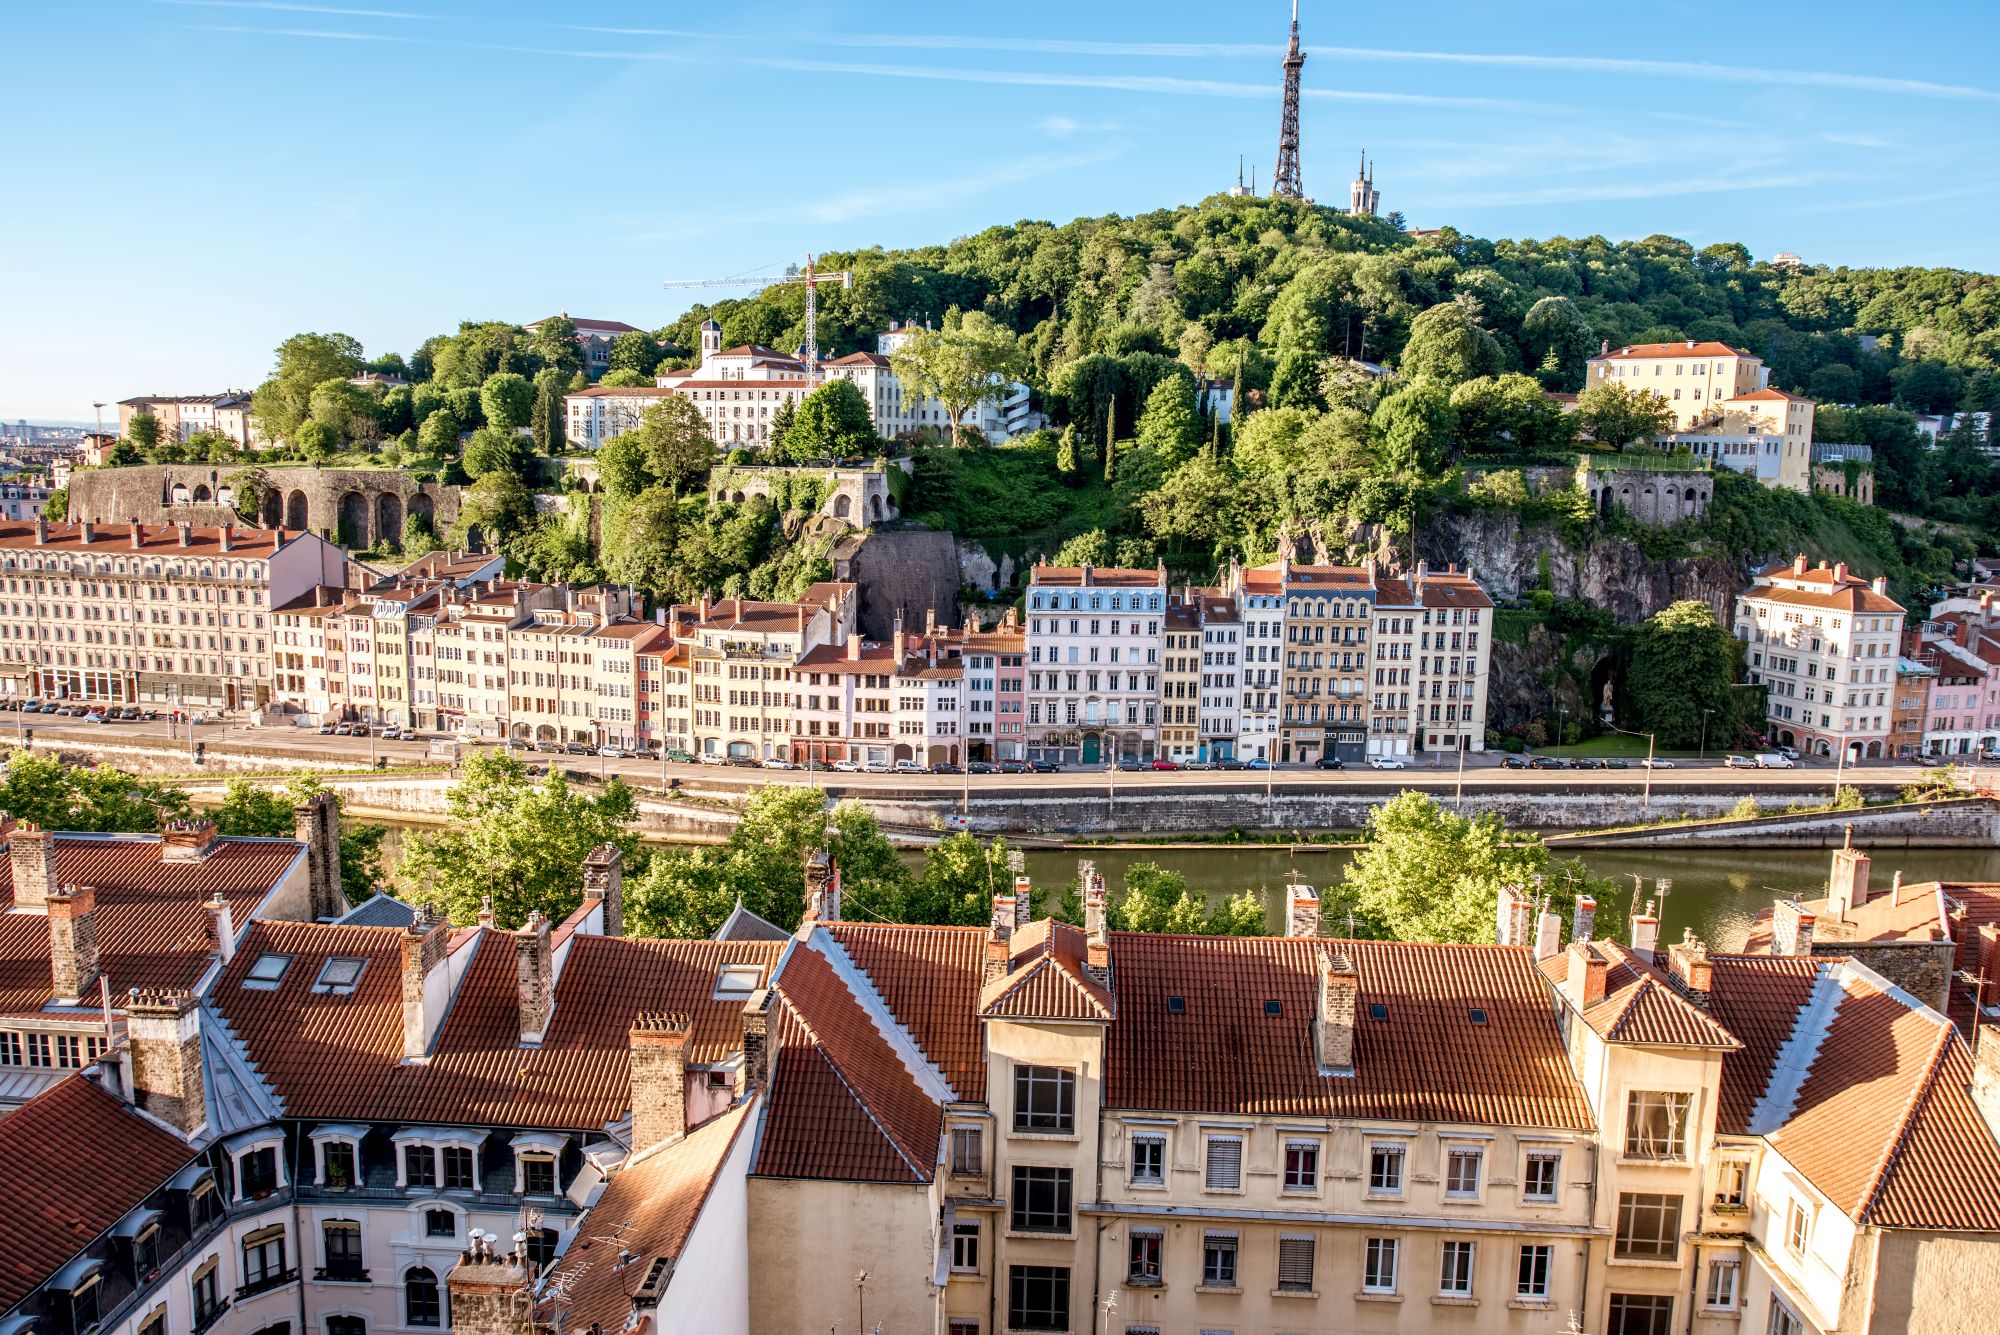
1295,1263
1225,1163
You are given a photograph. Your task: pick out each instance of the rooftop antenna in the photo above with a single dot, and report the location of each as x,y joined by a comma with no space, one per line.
1285,181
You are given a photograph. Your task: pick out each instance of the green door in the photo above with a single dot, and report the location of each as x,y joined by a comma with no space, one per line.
1093,750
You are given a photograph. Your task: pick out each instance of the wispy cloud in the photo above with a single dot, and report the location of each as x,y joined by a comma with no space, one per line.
314,34
1681,69
284,7
1856,140
1873,203
1617,190
1062,127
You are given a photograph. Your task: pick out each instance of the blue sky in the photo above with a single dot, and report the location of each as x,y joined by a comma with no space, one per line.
189,181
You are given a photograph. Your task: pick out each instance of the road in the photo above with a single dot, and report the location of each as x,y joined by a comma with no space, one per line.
1482,771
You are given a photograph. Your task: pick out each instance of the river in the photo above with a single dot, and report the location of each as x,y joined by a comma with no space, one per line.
1715,891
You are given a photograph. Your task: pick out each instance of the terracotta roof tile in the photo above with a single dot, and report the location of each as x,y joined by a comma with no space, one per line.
1640,1006
1758,997
152,930
1047,980
929,977
1425,1060
1106,577
1641,351
843,1104
648,1209
478,1072
53,1215
246,544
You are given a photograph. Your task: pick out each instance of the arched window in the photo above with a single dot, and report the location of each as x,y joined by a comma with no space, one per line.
540,1247
421,1305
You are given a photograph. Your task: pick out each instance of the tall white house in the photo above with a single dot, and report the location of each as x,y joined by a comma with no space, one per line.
1823,644
1094,642
1724,407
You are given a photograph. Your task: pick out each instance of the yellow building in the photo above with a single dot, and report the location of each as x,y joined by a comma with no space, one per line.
1723,405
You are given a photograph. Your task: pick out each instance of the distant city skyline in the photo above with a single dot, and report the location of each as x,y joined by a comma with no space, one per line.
388,168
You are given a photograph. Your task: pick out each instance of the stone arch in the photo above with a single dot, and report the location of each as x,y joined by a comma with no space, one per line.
352,529
422,508
475,541
389,517
842,506
546,732
272,513
298,511
1785,738
737,498
180,493
874,509
1874,751
201,495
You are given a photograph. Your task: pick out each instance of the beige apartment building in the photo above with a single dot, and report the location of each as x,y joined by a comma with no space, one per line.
1446,620
1825,646
1328,614
149,614
1180,681
1724,407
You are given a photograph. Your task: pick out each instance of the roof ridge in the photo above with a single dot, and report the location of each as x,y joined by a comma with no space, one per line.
848,970
853,1091
1919,1096
1794,1060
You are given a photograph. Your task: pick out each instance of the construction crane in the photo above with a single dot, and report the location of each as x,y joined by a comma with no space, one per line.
810,277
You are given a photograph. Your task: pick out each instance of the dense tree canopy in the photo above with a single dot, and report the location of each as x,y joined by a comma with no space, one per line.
1679,685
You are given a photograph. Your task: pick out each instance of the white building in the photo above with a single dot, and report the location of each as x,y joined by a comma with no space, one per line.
1824,645
1724,407
1094,640
1447,620
1260,601
1221,675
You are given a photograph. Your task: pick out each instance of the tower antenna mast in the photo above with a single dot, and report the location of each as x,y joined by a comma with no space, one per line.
1285,181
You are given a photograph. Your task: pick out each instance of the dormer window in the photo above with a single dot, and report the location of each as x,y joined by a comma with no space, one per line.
419,1166
79,1282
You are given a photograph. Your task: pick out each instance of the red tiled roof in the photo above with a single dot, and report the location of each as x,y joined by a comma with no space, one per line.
1640,351
1427,1061
930,979
478,1072
1848,598
1768,396
152,930
1047,980
648,1209
245,544
1101,577
1758,997
623,392
843,1105
1640,1006
56,1156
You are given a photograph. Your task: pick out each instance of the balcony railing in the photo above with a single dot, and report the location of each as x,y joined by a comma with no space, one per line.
275,1280
341,1274
203,1321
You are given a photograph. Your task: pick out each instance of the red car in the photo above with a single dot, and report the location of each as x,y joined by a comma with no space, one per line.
1168,764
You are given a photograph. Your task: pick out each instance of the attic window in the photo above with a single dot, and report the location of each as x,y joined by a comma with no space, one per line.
1476,1014
738,980
338,975
1274,1008
265,974
1176,1005
1377,1011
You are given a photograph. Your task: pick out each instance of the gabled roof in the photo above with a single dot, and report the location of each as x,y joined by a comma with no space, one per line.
63,1190
1868,1094
1686,348
929,978
743,925
1047,979
844,1106
379,911
478,1072
648,1210
1426,1059
1640,1006
152,928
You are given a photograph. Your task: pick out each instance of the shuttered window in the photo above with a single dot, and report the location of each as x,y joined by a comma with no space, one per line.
1295,1264
1225,1163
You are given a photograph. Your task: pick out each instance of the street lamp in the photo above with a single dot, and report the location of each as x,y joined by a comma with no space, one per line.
1704,734
1651,741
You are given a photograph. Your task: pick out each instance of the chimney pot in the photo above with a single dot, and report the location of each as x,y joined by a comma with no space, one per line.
1791,929
164,1030
32,850
1688,964
1339,1002
1588,969
604,881
1301,911
190,840
73,950
657,1069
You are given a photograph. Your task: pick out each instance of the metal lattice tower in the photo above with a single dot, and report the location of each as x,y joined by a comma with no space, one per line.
1285,181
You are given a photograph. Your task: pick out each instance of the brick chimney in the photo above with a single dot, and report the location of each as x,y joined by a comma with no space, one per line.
1097,940
189,840
604,881
1339,1002
425,991
657,1056
1585,920
316,824
1024,900
1840,572
163,1031
222,925
534,976
757,1053
41,530
822,886
138,535
1687,964
1584,984
1847,888
33,853
999,937
1301,911
490,1292
1512,913
73,956
1791,928
1646,933
186,531
1799,564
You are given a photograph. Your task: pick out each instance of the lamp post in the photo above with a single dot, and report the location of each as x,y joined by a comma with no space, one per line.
1651,742
1704,734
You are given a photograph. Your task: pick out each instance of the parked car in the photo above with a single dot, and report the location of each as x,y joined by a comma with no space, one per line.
743,762
1330,762
712,758
575,749
946,768
875,767
1548,762
1386,762
1775,760
1228,762
908,767
1044,767
1013,767
93,717
776,762
1512,762
1162,763
610,752
1587,762
1655,762
680,757
844,767
979,767
1616,763
1738,762
1256,762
